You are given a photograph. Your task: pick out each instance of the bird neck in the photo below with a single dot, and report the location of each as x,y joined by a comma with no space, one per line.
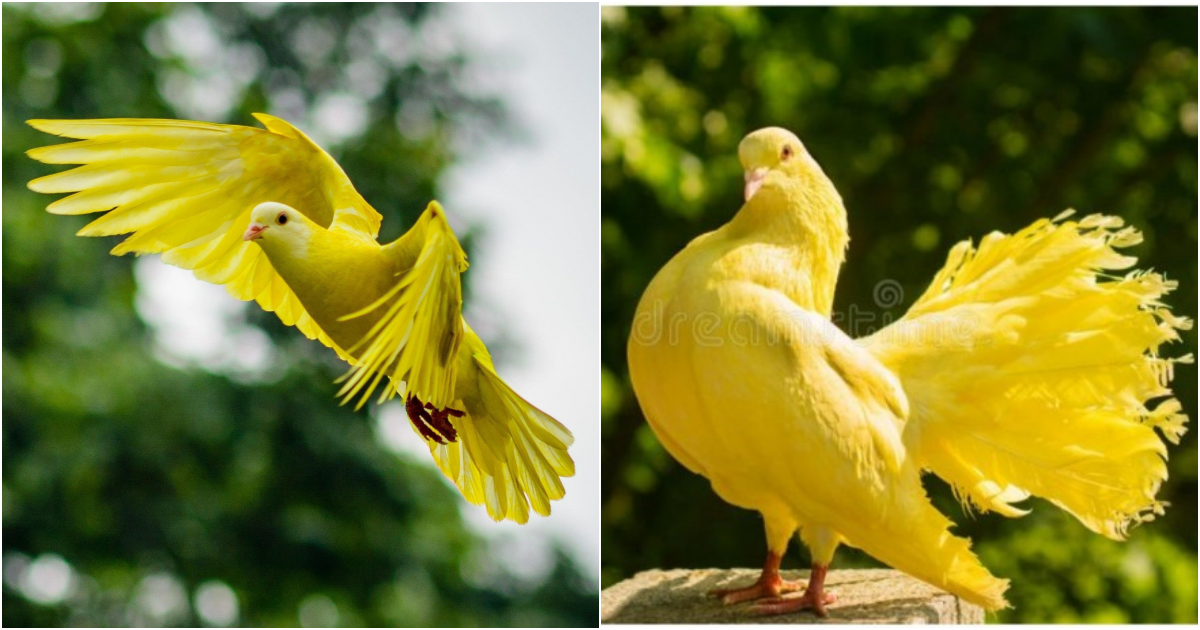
806,223
287,256
333,273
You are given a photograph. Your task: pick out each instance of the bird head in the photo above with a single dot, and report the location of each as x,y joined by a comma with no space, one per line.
273,222
773,156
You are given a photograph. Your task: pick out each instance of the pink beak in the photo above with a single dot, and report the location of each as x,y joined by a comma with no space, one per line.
254,231
754,181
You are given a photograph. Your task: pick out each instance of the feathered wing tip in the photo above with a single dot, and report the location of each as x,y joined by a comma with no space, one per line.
1035,368
510,455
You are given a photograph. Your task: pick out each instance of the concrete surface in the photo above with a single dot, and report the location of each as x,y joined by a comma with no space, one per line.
864,596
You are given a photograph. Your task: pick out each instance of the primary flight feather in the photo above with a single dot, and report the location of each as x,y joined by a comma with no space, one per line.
1029,367
271,216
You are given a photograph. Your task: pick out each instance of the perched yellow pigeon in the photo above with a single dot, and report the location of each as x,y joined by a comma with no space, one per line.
1025,369
271,216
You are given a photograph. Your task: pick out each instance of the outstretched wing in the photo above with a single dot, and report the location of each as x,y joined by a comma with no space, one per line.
416,340
185,189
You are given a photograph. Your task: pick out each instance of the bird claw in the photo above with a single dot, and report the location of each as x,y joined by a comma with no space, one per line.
814,600
759,590
432,423
440,420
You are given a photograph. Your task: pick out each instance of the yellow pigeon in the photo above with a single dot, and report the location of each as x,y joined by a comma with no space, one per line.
271,216
1025,369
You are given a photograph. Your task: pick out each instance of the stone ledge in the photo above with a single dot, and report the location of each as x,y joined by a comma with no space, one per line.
864,596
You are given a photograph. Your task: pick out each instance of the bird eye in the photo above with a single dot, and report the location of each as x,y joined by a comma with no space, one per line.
787,152
282,219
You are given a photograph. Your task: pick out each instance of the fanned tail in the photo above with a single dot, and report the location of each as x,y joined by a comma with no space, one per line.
1032,368
509,456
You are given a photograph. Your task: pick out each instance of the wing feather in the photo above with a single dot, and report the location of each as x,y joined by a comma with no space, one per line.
417,338
185,189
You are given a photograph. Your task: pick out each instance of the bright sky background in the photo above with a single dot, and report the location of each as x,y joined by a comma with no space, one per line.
540,262
535,274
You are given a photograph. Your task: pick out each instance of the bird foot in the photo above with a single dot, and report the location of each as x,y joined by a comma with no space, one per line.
765,587
432,423
811,599
440,419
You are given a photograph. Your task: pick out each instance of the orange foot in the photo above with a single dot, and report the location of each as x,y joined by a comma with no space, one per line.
769,584
783,605
814,598
759,590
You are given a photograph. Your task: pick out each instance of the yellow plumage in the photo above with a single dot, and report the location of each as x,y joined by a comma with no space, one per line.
1025,369
1028,327
273,218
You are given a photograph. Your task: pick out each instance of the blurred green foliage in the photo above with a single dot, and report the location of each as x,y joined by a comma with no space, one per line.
129,483
937,125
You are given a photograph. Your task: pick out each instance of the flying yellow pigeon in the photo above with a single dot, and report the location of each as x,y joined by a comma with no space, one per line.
1025,369
272,216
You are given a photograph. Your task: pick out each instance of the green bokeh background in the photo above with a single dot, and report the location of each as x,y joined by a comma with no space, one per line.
150,480
937,125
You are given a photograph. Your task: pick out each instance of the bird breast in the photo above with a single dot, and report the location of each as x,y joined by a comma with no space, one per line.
333,281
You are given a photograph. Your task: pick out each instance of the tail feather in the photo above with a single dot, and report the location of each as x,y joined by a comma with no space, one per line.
1032,368
918,541
510,456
